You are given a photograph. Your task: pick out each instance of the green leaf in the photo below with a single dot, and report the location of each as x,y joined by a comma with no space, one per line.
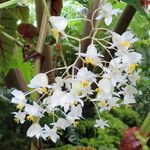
25,67
8,4
21,12
6,45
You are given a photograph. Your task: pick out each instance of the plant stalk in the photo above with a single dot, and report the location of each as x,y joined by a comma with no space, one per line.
145,128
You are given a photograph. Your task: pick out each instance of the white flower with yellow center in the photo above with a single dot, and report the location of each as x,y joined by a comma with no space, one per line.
107,12
33,111
19,99
69,100
40,82
85,77
131,61
35,130
101,124
92,56
19,117
55,98
122,42
50,133
59,24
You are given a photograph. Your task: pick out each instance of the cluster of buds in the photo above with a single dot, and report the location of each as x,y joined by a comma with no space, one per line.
64,99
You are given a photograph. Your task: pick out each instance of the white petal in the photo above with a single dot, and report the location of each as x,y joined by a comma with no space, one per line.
59,23
34,130
40,80
91,51
105,85
108,20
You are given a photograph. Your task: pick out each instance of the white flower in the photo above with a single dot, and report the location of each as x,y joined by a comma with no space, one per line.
35,130
131,58
134,78
58,22
128,99
92,56
68,100
34,110
128,92
115,75
61,123
59,82
75,113
122,42
19,116
55,98
50,133
107,12
19,99
105,85
85,77
101,123
40,80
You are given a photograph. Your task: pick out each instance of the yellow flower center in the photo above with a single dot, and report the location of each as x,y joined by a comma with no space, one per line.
73,103
19,106
31,118
102,103
89,61
98,90
138,79
44,90
55,34
16,120
125,44
75,123
84,83
132,68
79,93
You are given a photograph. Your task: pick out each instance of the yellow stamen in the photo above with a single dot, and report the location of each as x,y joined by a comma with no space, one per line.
80,93
132,68
125,43
31,118
98,90
84,83
138,79
72,103
44,90
19,106
102,103
75,123
89,61
55,34
16,120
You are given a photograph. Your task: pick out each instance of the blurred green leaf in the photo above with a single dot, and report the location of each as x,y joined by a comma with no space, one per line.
21,12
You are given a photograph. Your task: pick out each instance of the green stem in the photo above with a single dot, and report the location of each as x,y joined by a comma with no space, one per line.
145,128
9,3
12,38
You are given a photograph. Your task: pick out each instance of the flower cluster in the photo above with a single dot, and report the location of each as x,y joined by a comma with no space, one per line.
64,100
